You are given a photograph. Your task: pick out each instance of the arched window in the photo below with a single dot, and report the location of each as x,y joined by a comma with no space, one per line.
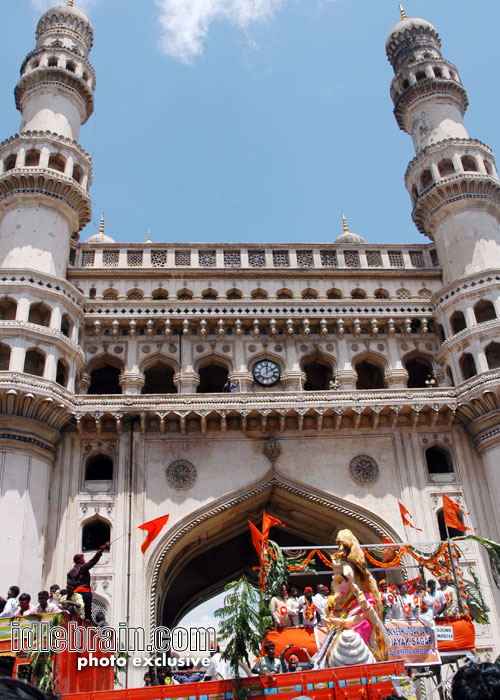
99,468
135,294
110,294
234,294
358,294
212,379
40,314
284,293
446,167
419,370
309,294
32,159
492,353
334,294
95,533
381,294
8,309
458,322
105,380
451,532
184,294
159,379
318,375
468,366
438,460
426,179
369,376
92,293
420,75
4,357
52,62
70,66
10,163
62,373
259,294
484,311
209,294
77,174
34,362
440,332
487,167
469,164
57,162
66,325
160,293
438,72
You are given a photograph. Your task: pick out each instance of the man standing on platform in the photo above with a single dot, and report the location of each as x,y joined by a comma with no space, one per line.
79,577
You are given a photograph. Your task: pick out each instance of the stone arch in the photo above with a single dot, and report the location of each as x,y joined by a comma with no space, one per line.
234,293
419,366
62,372
284,293
371,368
5,352
259,293
266,355
159,372
319,370
99,466
110,294
8,309
40,314
306,511
105,373
381,294
184,294
467,366
439,459
96,531
209,294
213,370
66,325
135,294
309,293
358,293
484,311
34,362
492,352
457,321
334,293
159,293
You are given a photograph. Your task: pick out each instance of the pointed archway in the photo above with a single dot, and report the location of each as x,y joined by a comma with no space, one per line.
212,546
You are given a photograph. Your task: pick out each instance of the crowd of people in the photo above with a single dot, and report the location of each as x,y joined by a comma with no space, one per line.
75,599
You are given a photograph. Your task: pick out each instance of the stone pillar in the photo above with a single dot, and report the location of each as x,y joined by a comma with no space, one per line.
27,450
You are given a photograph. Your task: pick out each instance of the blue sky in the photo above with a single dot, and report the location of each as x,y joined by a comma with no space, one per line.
255,120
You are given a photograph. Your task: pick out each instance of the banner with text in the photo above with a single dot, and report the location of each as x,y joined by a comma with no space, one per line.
411,642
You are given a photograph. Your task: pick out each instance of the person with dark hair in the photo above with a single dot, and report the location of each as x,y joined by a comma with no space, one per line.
79,577
14,689
147,679
293,663
268,665
55,594
24,608
45,607
476,682
100,619
11,604
72,602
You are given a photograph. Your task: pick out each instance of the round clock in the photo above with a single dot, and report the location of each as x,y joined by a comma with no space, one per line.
266,372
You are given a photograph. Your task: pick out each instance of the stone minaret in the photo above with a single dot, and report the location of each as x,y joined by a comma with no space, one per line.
452,181
44,202
455,191
44,172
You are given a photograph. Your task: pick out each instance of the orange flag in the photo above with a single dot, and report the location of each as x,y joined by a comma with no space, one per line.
450,512
153,528
267,522
404,513
256,538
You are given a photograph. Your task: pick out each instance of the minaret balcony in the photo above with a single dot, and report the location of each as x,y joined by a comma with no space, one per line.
427,89
41,182
59,77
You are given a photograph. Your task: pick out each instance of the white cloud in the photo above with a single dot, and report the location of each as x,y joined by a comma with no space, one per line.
83,5
185,23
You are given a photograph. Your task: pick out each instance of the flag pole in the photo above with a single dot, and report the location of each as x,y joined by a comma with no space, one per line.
453,570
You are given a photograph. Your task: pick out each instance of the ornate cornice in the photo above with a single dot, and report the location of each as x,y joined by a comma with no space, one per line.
60,77
428,89
459,144
57,139
15,329
14,278
48,183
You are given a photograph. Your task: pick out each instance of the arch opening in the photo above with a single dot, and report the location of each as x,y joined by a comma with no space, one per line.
159,379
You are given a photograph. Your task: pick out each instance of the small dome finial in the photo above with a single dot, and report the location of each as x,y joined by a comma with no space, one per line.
403,13
149,236
70,3
344,224
101,225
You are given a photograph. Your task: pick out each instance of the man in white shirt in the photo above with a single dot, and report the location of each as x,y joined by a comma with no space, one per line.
24,609
45,607
437,597
320,598
392,602
406,602
11,604
450,593
308,614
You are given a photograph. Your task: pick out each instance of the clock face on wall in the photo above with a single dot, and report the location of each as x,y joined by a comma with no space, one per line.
266,372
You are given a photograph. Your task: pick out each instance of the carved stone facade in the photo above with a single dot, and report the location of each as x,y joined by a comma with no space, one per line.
128,390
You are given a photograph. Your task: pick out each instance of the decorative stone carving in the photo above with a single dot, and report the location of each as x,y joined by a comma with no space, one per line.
272,450
181,474
364,469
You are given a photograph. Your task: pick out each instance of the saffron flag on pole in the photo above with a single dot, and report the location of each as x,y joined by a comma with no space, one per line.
405,515
267,522
153,528
256,538
450,512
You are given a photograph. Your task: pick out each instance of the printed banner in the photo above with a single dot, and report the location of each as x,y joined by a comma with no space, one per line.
411,642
